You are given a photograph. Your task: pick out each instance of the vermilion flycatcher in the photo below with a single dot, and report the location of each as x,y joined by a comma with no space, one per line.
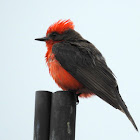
76,64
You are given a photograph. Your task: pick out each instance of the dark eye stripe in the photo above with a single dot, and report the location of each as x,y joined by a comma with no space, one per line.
54,33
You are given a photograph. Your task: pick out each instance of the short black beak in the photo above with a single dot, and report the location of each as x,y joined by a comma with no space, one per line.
42,39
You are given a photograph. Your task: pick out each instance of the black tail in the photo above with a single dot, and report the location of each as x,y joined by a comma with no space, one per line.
124,109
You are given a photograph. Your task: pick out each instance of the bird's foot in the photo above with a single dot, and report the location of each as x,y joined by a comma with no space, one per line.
76,96
77,99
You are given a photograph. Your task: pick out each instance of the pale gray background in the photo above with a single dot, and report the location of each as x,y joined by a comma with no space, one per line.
114,28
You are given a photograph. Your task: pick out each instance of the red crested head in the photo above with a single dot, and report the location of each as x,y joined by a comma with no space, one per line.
60,26
60,31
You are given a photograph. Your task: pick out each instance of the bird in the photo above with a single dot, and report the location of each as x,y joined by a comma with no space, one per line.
77,65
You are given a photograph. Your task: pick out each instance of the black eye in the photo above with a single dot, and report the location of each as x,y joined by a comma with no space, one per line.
54,34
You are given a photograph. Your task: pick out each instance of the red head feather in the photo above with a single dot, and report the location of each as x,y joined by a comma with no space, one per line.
61,26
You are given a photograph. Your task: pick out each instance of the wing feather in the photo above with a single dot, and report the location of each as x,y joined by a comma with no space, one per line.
86,64
83,65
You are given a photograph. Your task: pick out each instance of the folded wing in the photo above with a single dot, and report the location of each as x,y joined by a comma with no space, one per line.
86,64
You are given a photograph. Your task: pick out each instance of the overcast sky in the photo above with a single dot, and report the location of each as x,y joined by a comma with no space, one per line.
112,26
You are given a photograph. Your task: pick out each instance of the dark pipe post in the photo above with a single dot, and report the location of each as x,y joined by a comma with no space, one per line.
63,113
42,115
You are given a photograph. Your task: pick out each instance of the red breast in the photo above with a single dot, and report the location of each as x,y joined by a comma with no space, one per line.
59,74
64,79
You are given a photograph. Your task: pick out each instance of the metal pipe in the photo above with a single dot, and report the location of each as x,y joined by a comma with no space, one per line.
42,115
63,114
